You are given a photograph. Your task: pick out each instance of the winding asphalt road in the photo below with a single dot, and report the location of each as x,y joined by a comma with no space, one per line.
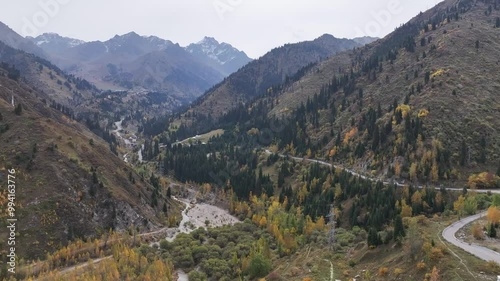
352,172
476,250
449,232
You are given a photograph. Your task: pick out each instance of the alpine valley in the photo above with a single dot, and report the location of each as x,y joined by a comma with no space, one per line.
137,158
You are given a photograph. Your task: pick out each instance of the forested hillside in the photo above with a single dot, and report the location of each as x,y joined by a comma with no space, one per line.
418,105
70,184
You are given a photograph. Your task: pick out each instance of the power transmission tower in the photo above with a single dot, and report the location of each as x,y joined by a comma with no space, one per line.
331,224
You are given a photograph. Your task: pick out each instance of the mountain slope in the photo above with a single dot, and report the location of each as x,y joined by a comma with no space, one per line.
100,62
270,70
126,47
419,105
221,56
365,40
172,71
132,61
54,43
69,183
12,39
51,83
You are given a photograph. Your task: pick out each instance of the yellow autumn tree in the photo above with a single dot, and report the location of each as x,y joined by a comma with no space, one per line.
397,169
434,274
458,205
483,181
413,172
332,152
434,171
349,135
477,231
416,198
338,191
493,215
406,211
263,221
320,224
404,109
438,200
309,226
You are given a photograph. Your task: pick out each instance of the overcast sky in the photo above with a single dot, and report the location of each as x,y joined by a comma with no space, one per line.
254,26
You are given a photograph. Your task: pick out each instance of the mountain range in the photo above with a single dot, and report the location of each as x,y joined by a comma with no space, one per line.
271,70
11,38
132,61
355,152
380,107
70,184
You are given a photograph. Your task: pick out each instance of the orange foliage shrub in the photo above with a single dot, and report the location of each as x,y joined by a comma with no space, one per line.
383,271
484,180
350,135
421,265
477,231
493,215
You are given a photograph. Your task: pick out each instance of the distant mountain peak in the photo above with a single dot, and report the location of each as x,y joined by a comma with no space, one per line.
327,36
365,40
56,39
208,40
11,38
131,34
220,54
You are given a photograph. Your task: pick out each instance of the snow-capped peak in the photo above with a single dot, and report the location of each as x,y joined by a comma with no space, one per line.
56,40
208,41
221,53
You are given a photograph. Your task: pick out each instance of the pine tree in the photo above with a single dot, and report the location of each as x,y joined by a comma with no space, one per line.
422,42
165,208
492,232
463,153
373,237
427,76
399,230
376,138
95,180
18,110
482,152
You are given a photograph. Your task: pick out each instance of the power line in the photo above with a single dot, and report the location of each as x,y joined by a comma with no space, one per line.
331,224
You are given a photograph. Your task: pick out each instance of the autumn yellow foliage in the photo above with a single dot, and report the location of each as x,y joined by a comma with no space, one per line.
483,180
423,113
349,135
421,265
383,271
404,108
493,215
477,231
438,72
